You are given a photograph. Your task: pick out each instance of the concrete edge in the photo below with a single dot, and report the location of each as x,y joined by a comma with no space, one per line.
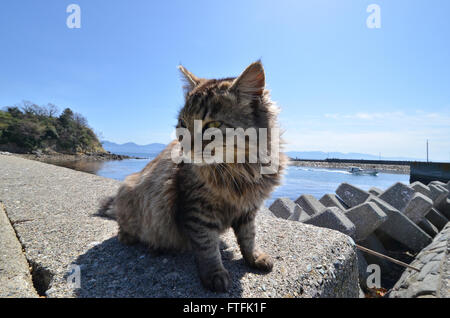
15,275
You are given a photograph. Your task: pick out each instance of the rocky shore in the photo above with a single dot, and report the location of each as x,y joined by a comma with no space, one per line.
50,157
345,166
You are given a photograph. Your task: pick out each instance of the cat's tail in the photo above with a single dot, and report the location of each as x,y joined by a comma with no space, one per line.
107,208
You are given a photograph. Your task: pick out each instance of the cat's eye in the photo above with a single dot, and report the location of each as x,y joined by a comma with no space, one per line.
213,124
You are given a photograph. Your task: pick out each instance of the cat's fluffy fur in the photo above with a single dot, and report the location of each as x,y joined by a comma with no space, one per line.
186,206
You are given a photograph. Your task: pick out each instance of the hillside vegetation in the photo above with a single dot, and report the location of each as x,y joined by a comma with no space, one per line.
29,127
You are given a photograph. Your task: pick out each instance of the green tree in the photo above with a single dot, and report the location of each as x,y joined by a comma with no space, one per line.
29,127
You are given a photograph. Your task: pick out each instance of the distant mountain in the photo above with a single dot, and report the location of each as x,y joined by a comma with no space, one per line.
320,155
155,148
131,147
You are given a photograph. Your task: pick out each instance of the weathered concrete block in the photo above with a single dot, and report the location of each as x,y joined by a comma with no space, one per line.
399,227
444,188
428,227
444,204
282,207
375,191
333,218
331,200
310,204
437,218
438,194
351,195
298,214
436,191
398,195
367,217
362,270
421,188
444,208
432,280
373,243
418,207
436,182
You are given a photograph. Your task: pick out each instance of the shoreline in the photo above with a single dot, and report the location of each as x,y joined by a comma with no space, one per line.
60,157
397,169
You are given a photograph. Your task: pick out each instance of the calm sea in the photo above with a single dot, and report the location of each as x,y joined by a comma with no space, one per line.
296,181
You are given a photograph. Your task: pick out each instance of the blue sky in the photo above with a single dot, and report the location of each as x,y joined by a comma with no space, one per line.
340,85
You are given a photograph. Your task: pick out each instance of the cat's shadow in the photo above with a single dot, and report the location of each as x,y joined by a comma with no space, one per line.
111,269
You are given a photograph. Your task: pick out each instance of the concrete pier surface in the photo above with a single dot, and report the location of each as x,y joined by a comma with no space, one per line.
15,277
73,253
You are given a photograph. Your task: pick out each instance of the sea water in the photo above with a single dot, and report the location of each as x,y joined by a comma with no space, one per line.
296,180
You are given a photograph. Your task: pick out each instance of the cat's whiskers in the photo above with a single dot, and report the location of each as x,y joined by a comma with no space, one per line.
230,173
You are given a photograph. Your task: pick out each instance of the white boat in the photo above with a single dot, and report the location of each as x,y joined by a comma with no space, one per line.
359,171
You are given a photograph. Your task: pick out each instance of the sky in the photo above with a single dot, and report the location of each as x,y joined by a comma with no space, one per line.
341,85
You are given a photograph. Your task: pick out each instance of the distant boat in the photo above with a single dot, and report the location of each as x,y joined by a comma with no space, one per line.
359,171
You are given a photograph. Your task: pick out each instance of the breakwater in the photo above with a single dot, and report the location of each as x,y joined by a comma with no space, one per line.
385,166
405,222
424,172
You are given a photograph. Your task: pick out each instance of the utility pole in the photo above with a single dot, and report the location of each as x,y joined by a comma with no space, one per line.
427,150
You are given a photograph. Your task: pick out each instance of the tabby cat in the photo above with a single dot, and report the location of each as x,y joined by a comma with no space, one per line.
186,206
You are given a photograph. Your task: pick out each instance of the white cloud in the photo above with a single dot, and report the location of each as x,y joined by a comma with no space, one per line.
394,134
367,116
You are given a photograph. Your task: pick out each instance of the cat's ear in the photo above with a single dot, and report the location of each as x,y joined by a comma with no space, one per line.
190,80
251,82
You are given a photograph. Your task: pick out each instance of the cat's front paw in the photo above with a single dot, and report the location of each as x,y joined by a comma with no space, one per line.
261,261
217,281
264,262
